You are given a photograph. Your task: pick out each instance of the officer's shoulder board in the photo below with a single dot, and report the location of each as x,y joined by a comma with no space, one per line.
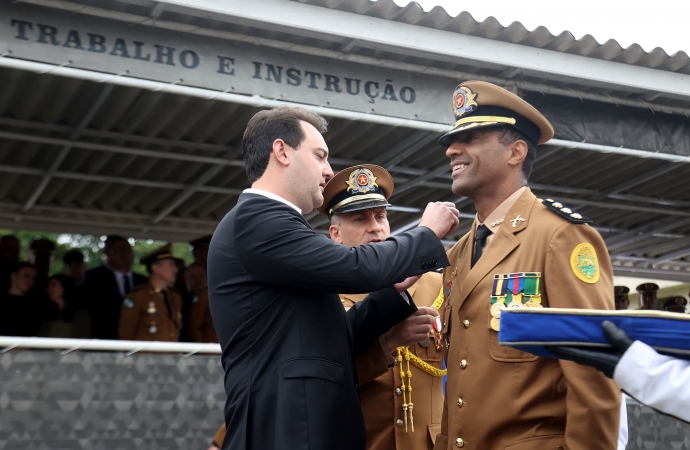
568,214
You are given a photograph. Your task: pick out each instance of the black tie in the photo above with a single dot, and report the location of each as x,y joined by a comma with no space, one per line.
127,286
482,233
167,303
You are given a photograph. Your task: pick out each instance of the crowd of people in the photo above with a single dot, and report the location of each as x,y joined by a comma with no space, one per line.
98,303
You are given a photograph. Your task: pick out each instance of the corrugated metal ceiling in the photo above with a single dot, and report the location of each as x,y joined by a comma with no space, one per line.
154,164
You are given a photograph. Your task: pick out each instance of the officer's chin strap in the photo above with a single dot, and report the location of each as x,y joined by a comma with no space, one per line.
406,406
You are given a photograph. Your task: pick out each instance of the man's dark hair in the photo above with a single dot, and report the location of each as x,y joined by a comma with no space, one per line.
73,256
16,267
508,135
267,126
111,240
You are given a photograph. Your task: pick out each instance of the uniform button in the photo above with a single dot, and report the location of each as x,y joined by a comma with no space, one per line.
460,403
399,422
463,364
398,391
466,323
459,442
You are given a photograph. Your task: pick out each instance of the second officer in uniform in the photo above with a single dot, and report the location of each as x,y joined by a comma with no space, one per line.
401,386
153,312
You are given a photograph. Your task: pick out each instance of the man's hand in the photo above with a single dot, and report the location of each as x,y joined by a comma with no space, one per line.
441,218
415,328
603,360
407,283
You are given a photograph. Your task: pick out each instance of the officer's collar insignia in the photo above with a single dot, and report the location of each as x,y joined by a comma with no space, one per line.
463,101
361,181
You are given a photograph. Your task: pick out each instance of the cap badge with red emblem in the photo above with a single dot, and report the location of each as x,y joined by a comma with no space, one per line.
361,180
463,101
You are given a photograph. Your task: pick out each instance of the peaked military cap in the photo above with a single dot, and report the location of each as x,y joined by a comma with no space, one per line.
201,242
676,302
621,292
647,287
478,104
355,188
164,252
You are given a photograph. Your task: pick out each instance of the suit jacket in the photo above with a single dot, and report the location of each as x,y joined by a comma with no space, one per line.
380,385
145,316
288,346
200,325
498,397
104,300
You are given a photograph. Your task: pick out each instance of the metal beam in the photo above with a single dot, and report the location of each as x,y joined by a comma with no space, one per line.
76,133
257,101
203,179
672,256
641,233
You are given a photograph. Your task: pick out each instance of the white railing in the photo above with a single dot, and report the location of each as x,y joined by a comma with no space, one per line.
8,343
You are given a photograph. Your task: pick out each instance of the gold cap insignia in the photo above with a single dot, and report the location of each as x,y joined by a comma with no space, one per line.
463,101
361,180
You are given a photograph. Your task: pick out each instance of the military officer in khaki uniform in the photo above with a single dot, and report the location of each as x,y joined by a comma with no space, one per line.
201,327
153,312
400,411
521,251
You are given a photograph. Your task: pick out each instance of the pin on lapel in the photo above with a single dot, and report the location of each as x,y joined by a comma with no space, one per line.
497,223
516,220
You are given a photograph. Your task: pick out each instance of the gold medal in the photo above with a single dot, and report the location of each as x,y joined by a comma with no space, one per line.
515,304
495,323
152,308
496,309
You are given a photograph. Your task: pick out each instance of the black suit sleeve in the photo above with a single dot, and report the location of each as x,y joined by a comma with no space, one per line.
376,314
277,246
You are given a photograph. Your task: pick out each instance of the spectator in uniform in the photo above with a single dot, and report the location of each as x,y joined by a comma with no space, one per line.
9,255
620,297
200,249
676,304
108,284
647,295
153,312
201,328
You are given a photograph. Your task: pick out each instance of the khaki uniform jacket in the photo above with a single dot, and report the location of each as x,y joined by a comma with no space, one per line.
144,316
380,385
501,398
201,327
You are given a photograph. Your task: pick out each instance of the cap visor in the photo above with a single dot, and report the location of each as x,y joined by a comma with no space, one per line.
358,206
447,139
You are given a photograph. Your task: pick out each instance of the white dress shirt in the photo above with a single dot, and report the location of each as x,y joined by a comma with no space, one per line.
272,196
120,279
660,381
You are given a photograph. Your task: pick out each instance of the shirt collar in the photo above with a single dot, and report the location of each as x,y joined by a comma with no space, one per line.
498,215
116,272
272,196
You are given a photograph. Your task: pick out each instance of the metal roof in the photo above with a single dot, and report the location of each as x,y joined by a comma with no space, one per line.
515,33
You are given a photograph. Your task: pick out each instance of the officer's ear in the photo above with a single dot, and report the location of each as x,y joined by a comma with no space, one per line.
518,152
334,230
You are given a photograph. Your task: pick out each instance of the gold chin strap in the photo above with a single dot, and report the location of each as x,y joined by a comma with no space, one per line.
478,119
409,357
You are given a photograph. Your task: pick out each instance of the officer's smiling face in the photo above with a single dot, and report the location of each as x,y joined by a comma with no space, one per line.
478,161
360,227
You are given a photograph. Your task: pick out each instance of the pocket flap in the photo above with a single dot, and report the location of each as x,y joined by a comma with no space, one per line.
313,368
434,430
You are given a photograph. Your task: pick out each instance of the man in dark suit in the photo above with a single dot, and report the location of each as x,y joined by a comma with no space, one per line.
107,285
288,345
